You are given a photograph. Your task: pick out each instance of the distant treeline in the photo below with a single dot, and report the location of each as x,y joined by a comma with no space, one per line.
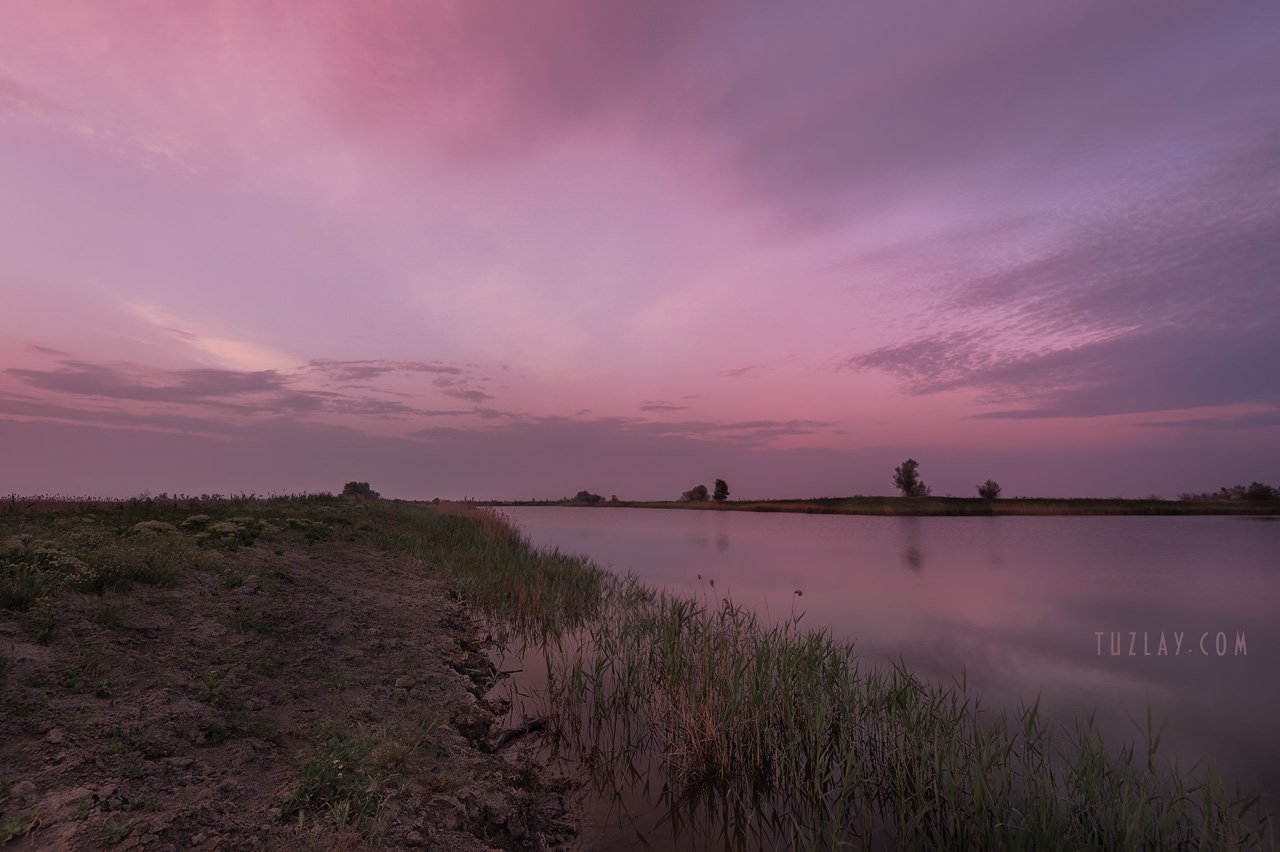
1254,491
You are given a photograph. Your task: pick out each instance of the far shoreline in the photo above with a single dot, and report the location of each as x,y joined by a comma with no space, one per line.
933,506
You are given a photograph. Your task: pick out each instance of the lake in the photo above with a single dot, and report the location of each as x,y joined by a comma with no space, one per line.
1092,614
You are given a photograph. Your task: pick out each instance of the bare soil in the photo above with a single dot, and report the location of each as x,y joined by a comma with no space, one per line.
208,716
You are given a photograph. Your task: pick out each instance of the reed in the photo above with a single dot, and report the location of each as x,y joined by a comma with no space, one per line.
775,734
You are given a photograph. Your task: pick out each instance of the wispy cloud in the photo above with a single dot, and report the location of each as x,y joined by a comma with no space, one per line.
48,350
1147,307
1253,420
739,372
125,382
178,395
656,405
460,389
361,370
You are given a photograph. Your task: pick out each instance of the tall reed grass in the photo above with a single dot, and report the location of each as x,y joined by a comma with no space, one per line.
776,735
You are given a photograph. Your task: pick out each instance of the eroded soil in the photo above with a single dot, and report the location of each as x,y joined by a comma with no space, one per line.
308,695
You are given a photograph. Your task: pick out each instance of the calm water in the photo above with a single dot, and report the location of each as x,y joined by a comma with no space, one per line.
1015,603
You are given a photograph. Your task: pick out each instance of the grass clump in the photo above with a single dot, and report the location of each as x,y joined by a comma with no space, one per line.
114,830
335,782
12,829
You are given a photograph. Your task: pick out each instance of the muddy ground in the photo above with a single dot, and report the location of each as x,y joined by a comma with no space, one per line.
305,695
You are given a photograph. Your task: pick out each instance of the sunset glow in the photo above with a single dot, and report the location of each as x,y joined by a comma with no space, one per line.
516,250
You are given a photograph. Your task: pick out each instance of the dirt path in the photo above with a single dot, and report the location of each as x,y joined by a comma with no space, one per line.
308,695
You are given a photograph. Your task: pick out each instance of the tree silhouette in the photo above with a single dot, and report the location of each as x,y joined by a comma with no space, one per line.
906,477
360,491
989,490
695,494
721,492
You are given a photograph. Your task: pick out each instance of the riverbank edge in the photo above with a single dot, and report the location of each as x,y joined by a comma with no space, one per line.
274,674
933,506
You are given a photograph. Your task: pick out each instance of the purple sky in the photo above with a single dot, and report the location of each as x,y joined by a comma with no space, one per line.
515,250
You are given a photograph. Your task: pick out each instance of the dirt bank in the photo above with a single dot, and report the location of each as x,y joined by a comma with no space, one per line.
290,694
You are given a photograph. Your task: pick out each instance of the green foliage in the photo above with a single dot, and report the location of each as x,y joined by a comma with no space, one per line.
722,491
989,490
114,830
695,494
335,781
12,829
906,478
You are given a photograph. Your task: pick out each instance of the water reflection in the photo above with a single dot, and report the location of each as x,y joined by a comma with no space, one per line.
1017,609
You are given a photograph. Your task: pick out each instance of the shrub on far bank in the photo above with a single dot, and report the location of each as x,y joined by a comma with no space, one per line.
989,490
695,494
359,491
1254,492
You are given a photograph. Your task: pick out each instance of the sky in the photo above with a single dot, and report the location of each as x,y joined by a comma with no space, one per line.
515,250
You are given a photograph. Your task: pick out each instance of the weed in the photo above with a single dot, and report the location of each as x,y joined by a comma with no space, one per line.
21,705
86,667
12,829
133,767
335,781
211,688
114,830
139,801
254,615
80,810
237,723
108,614
44,621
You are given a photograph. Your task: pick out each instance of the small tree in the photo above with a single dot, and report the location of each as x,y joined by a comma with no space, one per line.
585,496
906,477
359,491
722,491
989,490
695,494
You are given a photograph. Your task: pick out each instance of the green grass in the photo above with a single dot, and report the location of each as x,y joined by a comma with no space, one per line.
114,830
12,829
335,781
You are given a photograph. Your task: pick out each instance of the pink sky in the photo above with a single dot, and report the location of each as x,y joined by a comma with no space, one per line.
515,250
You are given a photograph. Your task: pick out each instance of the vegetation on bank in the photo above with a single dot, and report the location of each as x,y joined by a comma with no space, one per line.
240,672
767,734
942,506
789,738
1256,498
